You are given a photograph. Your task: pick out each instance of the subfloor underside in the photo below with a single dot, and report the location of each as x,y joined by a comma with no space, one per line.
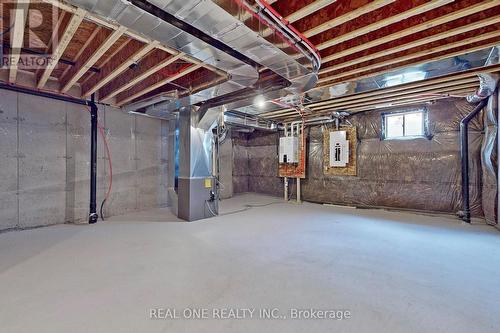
394,272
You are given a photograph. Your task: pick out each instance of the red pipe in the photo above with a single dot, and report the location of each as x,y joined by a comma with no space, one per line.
276,15
289,26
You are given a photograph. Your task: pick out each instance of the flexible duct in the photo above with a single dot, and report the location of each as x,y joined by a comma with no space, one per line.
487,85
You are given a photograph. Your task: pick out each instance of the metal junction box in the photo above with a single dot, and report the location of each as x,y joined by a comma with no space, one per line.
339,149
289,149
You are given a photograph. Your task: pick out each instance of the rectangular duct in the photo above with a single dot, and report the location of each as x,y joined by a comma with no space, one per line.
197,197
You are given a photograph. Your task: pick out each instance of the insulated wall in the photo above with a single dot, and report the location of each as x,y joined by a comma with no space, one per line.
240,162
421,174
45,149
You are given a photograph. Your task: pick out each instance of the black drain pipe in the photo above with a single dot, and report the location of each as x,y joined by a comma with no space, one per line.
464,155
93,161
93,136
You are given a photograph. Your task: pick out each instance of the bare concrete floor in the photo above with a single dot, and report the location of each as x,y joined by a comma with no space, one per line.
394,272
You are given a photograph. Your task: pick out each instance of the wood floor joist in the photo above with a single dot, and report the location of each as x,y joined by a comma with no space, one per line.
423,41
335,22
346,76
470,10
145,86
417,86
120,63
381,99
113,26
17,37
383,23
407,100
59,49
388,104
101,43
151,63
308,10
465,83
88,42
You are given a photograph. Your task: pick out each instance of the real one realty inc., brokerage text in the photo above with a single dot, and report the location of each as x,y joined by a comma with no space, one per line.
248,313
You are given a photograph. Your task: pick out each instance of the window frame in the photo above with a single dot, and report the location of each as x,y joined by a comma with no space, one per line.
425,124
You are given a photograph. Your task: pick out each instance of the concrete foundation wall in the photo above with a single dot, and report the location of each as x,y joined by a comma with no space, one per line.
45,149
421,174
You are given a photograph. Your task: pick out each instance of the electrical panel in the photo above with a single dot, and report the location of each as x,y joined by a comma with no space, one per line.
289,149
339,149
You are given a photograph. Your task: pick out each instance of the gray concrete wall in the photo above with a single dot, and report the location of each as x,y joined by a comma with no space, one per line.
44,173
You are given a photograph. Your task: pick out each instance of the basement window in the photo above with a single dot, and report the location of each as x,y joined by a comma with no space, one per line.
405,125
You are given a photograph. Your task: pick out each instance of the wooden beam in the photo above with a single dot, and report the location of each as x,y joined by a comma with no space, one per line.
62,20
138,37
394,101
441,87
383,23
89,40
479,7
387,94
335,22
134,51
309,9
419,42
101,43
71,29
386,105
342,77
17,37
110,57
145,86
151,63
440,81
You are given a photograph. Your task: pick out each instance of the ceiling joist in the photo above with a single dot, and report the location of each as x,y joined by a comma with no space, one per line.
383,23
430,95
120,63
335,22
100,44
59,49
417,86
423,41
343,77
477,8
151,64
145,87
17,37
308,10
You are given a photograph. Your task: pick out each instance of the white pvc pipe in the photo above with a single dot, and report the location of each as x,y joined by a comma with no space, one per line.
298,190
286,189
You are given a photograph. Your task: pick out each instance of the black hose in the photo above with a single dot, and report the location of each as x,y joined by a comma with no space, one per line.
100,210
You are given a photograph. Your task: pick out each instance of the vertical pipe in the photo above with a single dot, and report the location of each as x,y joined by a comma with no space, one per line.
93,162
285,184
298,190
464,154
286,188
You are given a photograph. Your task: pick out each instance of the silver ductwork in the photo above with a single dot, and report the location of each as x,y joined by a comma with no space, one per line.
235,119
220,21
197,188
212,33
123,12
487,85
